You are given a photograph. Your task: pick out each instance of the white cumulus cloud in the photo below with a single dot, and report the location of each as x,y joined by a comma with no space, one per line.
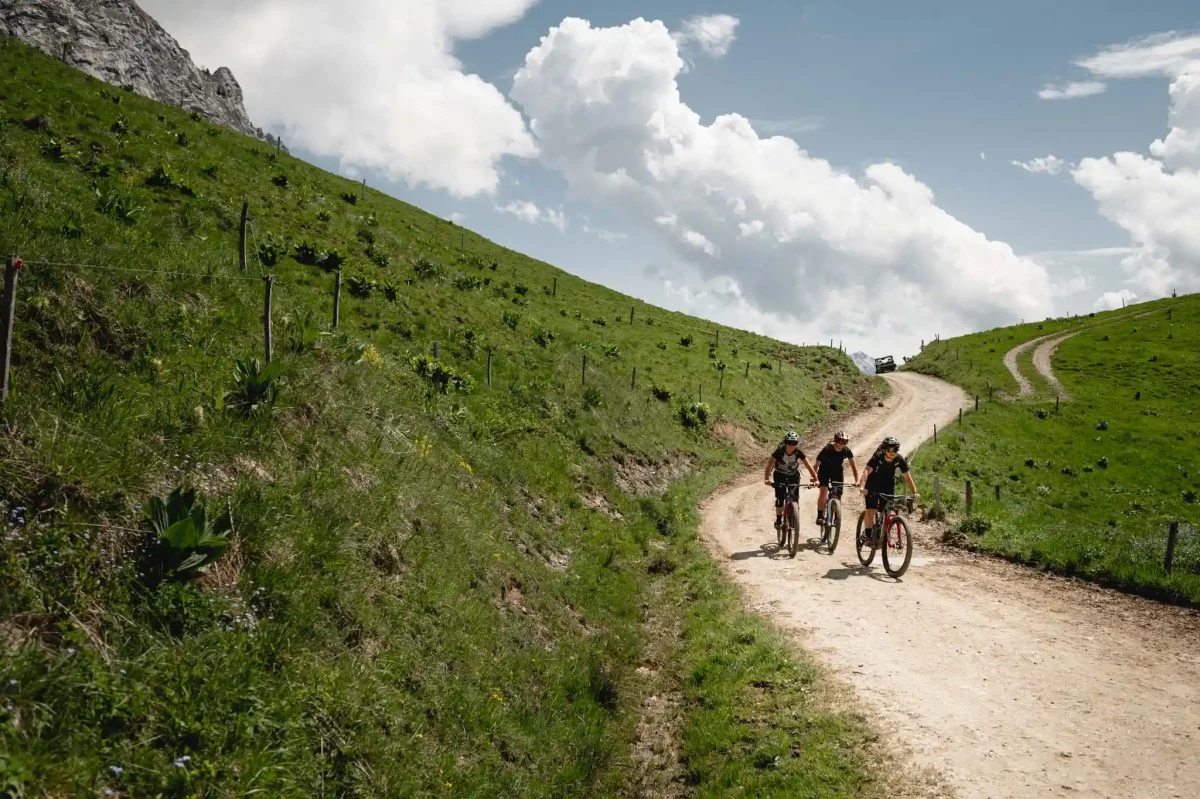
712,33
1112,300
1072,90
871,254
1155,198
1049,164
529,212
373,83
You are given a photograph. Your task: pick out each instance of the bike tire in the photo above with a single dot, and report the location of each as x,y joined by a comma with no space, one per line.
860,544
834,529
781,530
794,539
897,532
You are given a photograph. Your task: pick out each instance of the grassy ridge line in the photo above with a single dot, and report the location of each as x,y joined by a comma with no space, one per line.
428,593
975,360
1090,491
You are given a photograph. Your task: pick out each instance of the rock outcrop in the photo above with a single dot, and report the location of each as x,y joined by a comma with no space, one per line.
117,42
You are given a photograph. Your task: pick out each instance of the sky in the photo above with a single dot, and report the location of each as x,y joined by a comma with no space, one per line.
873,173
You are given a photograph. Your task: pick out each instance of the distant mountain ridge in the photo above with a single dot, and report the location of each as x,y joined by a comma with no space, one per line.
117,42
864,362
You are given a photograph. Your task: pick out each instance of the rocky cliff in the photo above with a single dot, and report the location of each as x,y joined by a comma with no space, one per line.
115,41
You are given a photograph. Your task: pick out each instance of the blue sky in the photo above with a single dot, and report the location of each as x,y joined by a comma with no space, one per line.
930,87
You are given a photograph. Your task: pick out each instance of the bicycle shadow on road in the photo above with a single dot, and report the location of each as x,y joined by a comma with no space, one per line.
847,571
774,551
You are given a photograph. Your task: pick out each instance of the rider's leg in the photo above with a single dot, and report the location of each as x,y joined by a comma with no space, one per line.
779,496
868,519
822,500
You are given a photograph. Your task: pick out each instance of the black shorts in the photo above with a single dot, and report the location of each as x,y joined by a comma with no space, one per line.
875,501
782,481
825,479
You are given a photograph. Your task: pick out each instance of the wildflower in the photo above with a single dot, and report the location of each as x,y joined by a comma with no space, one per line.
496,695
466,466
183,761
371,356
419,736
116,770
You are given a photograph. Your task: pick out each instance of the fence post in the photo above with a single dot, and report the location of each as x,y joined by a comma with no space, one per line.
935,434
364,192
435,351
1056,404
701,386
631,314
989,390
337,298
781,366
747,369
937,490
242,237
717,343
6,324
555,292
970,498
462,242
633,380
997,492
268,287
976,402
1172,535
960,415
583,379
721,385
489,373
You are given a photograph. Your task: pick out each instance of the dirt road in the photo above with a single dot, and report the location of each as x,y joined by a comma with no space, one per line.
1010,361
1043,357
1006,682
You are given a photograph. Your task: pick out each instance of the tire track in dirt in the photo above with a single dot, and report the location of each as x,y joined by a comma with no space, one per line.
1006,682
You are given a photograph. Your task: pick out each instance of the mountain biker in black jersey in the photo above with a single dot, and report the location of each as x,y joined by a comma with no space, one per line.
830,470
784,467
880,477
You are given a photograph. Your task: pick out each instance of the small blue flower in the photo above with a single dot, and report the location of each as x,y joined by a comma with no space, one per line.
116,770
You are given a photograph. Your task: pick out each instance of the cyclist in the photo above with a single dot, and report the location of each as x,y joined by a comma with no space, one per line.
830,469
880,477
784,467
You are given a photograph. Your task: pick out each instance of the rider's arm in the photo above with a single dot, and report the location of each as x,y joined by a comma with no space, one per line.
911,485
770,468
866,473
854,468
811,472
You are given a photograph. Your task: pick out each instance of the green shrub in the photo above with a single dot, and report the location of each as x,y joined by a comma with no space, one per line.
592,398
600,320
54,150
521,289
974,526
425,268
269,251
511,320
323,215
390,291
188,538
1102,463
304,333
662,345
767,366
119,207
694,415
210,170
121,125
543,338
256,388
281,181
441,377
360,287
1101,425
161,178
350,197
464,282
330,260
182,140
660,392
611,351
686,341
306,253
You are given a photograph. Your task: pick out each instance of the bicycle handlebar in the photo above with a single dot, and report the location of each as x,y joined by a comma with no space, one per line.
797,485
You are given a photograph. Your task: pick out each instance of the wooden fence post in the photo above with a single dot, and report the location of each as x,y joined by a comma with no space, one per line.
1056,404
583,379
9,309
489,373
1172,535
781,366
747,369
937,490
337,299
242,237
935,434
721,386
268,288
364,190
554,293
633,380
960,415
702,392
997,492
717,343
435,351
976,402
631,314
970,498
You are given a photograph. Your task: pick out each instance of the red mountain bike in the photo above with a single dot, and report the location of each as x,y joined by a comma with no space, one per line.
889,533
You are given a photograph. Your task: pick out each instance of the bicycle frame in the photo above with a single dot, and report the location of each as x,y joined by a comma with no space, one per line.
884,517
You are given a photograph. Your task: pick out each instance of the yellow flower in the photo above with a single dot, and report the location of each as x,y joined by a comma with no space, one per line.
466,466
496,695
420,736
424,447
371,356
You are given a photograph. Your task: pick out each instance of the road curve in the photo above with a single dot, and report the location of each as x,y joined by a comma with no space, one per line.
1005,682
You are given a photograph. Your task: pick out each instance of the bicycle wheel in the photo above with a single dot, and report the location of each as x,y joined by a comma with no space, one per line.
833,525
781,530
897,547
866,549
794,537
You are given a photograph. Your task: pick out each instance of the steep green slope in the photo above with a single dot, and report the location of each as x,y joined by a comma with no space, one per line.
1092,489
435,585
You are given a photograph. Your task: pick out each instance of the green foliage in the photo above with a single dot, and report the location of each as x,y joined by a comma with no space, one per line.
592,398
425,268
442,377
360,287
210,170
1101,425
55,151
611,351
269,251
161,178
660,393
662,345
390,290
120,207
686,341
306,253
694,415
256,388
121,125
188,538
511,319
543,338
464,282
305,332
324,216
182,140
281,180
521,289
350,197
330,260
601,321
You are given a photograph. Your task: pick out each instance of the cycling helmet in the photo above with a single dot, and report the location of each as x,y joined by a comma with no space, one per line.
840,436
792,437
891,442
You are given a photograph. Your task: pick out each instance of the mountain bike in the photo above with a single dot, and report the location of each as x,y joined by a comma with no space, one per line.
831,524
788,534
889,533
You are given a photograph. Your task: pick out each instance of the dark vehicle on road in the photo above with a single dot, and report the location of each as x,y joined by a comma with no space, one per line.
884,364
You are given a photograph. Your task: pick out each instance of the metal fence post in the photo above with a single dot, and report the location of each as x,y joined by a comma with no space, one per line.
970,498
268,287
337,299
489,373
242,237
1172,536
633,380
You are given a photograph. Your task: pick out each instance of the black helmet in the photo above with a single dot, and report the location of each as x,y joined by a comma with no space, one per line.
792,437
891,442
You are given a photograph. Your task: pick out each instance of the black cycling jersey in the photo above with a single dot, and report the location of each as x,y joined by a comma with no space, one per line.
883,474
830,462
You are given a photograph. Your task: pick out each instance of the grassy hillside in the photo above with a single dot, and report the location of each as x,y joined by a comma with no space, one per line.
433,585
1092,489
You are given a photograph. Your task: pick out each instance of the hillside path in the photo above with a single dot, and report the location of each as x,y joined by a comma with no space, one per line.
1043,357
1006,682
1010,361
